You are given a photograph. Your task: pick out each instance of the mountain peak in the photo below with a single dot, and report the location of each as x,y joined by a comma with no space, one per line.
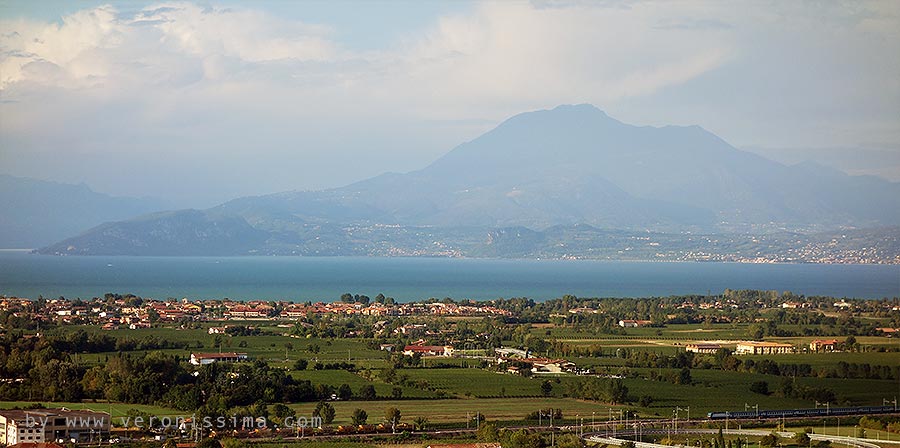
579,108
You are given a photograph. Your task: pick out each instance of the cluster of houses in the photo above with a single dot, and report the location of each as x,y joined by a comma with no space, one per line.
133,314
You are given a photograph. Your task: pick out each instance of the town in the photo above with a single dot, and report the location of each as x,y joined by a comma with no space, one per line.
439,363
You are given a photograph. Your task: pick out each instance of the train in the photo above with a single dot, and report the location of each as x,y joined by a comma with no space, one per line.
815,412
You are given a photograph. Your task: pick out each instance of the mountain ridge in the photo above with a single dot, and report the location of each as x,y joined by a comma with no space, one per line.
576,165
38,212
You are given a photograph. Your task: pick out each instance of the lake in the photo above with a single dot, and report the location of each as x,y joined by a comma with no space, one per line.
326,278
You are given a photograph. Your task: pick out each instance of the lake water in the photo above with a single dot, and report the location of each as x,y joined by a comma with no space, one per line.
296,278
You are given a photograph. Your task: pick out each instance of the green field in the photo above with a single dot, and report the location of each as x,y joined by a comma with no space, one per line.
336,378
444,411
267,347
510,397
476,382
825,359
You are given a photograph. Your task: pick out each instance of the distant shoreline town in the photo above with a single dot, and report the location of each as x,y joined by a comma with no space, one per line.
115,311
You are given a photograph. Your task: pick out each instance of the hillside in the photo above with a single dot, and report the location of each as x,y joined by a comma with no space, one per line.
37,213
570,166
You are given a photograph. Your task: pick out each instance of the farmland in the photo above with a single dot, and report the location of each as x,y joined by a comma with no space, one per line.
513,367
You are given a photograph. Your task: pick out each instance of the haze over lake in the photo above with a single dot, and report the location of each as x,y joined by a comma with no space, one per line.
326,278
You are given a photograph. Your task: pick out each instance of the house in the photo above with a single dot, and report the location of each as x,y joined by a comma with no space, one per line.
702,348
201,359
632,323
37,426
217,330
826,345
763,348
544,365
428,350
511,352
386,347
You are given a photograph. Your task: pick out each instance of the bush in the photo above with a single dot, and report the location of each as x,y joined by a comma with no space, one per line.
759,387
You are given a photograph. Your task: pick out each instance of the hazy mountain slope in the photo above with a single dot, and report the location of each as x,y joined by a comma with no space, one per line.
36,213
575,164
568,166
183,232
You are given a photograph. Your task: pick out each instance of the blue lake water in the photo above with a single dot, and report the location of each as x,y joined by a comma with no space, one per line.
297,278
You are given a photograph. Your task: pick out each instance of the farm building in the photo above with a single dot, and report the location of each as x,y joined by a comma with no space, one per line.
702,348
200,359
763,348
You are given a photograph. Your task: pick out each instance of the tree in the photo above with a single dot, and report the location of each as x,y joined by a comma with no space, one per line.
392,416
569,441
420,422
396,393
487,432
546,388
359,417
280,411
209,443
850,343
759,387
328,413
769,440
233,443
301,364
802,439
684,377
367,392
325,411
345,392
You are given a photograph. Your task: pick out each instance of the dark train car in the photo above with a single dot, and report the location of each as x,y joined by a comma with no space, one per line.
815,412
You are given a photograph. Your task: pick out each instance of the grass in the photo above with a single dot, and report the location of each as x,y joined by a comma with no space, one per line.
475,382
828,359
446,411
509,396
336,378
271,348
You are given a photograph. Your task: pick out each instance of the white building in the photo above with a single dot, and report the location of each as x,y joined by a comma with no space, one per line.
202,359
763,348
51,425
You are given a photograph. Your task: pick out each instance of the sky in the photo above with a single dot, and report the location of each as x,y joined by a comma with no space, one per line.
201,102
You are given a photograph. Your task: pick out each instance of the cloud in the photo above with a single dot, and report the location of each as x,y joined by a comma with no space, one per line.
254,93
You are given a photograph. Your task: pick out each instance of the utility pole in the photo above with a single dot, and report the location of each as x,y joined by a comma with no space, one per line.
688,409
747,407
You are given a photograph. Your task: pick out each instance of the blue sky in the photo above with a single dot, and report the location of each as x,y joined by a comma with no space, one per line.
361,25
199,102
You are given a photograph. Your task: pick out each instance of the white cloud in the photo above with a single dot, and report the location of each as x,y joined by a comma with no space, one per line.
247,86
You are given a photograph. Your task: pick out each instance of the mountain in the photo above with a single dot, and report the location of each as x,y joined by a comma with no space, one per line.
182,232
37,213
575,164
570,166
